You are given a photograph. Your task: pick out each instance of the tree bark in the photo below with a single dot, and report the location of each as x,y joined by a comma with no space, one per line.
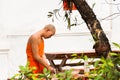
101,46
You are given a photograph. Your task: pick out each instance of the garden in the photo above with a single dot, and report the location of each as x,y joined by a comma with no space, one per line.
106,68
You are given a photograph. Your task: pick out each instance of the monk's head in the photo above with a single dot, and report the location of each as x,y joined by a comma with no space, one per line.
49,30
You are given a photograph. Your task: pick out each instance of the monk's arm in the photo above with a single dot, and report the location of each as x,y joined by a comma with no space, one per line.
45,59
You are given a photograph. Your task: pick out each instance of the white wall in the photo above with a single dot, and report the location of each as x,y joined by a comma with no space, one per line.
20,18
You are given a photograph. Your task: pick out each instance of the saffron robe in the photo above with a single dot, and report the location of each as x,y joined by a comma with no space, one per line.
31,60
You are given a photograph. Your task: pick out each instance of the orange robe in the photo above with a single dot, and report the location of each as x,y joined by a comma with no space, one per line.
32,61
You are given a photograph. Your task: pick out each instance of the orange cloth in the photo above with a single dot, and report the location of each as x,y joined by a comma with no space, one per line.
66,7
31,60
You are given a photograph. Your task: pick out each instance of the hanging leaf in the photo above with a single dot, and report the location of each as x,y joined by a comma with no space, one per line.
52,19
49,15
93,5
66,15
56,17
73,25
69,23
50,12
59,14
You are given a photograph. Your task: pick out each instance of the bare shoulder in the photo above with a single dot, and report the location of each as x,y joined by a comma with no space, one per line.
31,39
34,39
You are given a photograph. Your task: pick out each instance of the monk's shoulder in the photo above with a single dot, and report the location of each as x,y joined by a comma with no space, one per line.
32,39
35,39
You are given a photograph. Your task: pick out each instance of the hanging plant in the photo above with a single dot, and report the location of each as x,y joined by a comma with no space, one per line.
68,6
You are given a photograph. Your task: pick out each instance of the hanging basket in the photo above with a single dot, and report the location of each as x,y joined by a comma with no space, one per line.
68,5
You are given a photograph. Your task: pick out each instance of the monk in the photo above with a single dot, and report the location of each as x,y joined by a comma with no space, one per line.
35,49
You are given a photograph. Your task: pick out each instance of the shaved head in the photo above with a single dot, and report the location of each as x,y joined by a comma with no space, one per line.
50,27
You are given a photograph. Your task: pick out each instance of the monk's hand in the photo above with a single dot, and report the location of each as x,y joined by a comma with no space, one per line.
52,70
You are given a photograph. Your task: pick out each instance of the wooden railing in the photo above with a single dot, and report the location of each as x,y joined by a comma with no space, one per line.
64,56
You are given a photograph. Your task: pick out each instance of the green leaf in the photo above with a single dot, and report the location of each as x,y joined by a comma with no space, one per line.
55,10
96,63
113,54
110,64
41,75
49,15
74,55
85,57
52,19
22,68
50,12
116,44
59,14
56,17
69,23
93,5
44,70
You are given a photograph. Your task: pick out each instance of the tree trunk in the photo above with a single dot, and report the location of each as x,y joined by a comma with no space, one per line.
101,46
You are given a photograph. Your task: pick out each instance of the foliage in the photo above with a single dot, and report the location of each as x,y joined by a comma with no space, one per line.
45,75
24,73
65,76
107,68
67,15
